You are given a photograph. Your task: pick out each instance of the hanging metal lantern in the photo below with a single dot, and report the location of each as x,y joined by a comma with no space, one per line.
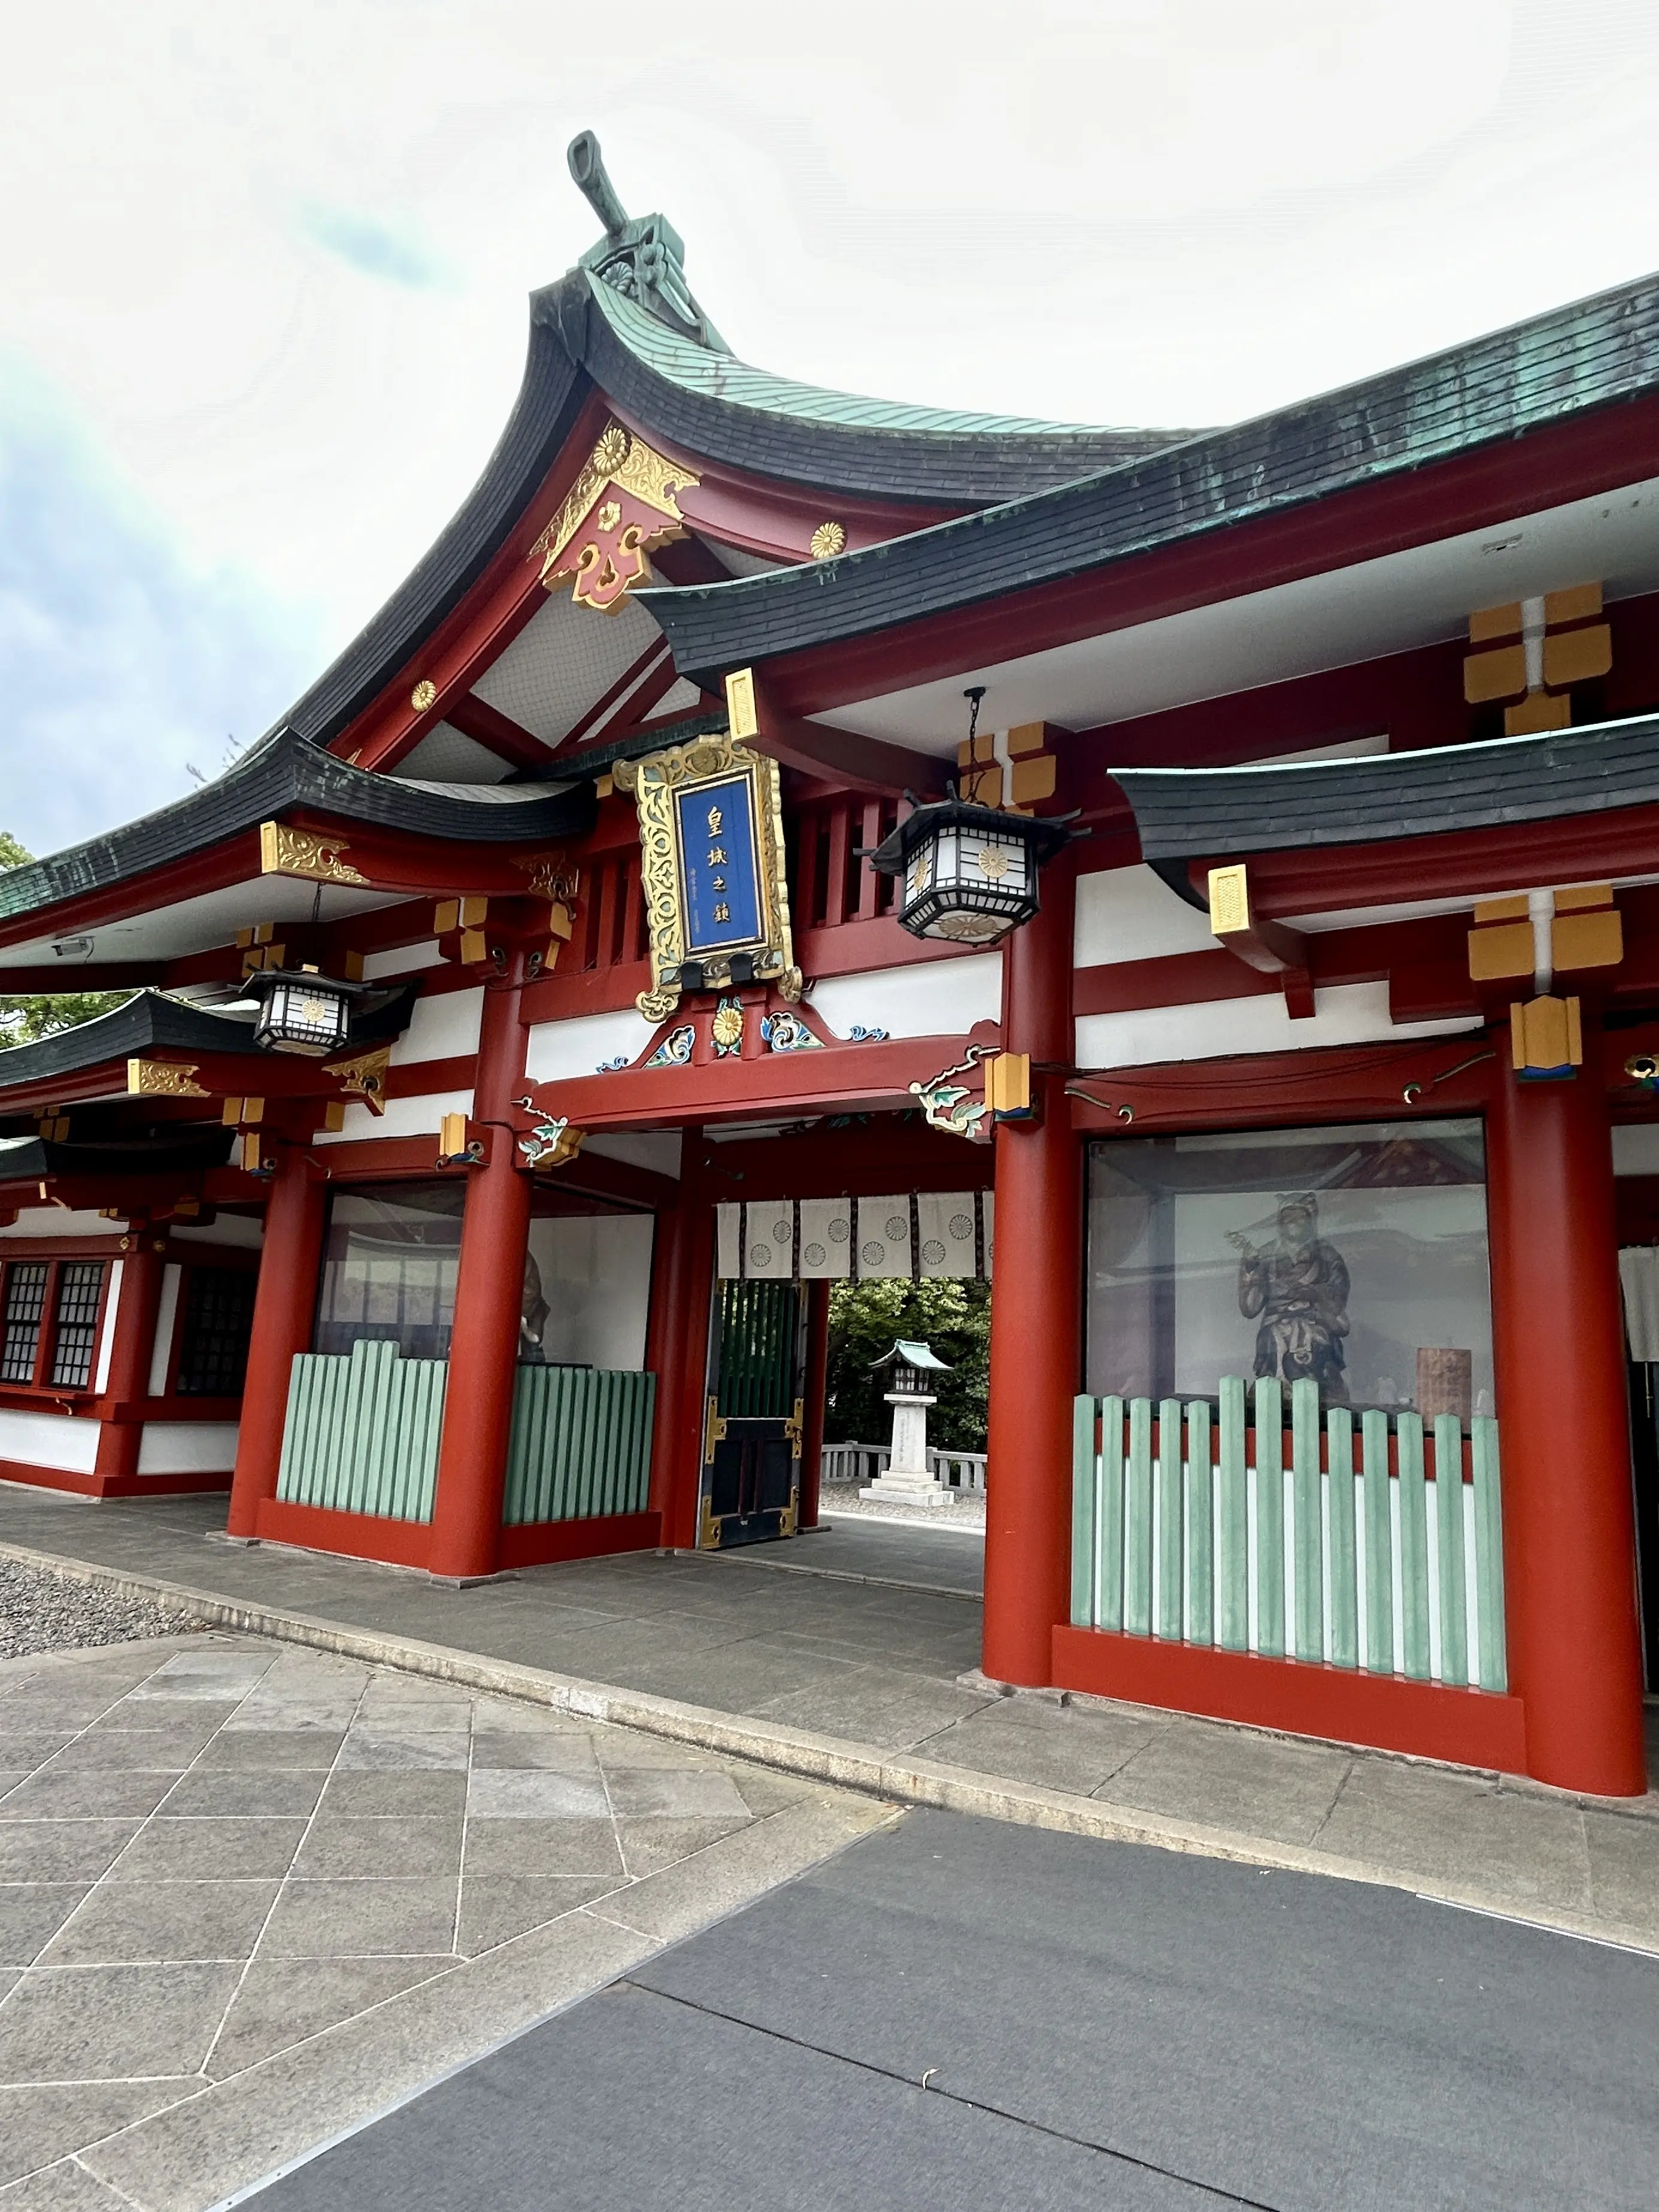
301,1012
967,872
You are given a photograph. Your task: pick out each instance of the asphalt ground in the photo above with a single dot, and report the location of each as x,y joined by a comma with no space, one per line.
957,2014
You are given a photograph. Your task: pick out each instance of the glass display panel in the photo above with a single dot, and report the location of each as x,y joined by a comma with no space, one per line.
1357,1256
587,1291
218,1322
74,1332
389,1266
25,1310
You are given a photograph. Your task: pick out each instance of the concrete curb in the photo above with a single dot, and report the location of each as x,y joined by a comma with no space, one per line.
897,1779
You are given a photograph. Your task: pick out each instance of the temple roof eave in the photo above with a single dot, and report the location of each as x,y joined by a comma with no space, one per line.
282,772
1191,814
1589,355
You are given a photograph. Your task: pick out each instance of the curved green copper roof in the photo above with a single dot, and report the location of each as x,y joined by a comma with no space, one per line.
710,375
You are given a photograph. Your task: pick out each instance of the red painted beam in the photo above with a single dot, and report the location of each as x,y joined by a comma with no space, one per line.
836,1077
1470,1727
487,726
1424,1076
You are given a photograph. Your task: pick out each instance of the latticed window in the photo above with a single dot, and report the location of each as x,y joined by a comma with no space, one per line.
74,1336
25,1310
218,1322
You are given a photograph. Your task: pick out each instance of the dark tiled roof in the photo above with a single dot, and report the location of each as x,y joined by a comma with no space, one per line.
286,771
1563,363
1194,813
151,1021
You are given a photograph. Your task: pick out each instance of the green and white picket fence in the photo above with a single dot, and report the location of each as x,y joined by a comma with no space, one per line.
1191,1523
580,1444
361,1432
362,1429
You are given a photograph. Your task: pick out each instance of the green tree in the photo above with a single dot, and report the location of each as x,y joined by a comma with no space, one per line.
23,1020
865,1319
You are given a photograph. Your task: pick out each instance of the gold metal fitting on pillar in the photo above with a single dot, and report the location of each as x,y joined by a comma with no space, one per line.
455,1148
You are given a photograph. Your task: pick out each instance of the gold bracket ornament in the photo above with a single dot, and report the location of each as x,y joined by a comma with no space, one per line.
288,851
949,1105
712,865
364,1074
163,1079
621,507
552,1143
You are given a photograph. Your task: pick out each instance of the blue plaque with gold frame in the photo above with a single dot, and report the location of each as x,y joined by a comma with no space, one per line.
711,846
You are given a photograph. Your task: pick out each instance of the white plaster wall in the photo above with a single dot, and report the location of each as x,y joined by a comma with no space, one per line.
1350,1013
59,1221
403,1117
442,1027
106,1334
1636,1149
596,1277
187,1448
559,1050
49,1440
402,960
167,1316
1130,913
656,1149
935,998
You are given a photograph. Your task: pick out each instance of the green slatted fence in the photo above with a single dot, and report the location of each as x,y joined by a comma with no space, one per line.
580,1444
362,1429
361,1432
1187,1527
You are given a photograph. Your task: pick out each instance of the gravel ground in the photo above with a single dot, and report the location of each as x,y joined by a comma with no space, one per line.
843,1499
43,1612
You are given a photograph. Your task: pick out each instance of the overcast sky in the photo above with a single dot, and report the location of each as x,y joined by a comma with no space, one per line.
262,268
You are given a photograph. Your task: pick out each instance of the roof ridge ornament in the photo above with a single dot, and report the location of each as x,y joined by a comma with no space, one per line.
644,259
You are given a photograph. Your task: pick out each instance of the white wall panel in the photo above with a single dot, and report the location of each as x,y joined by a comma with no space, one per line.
1130,913
49,1440
166,1320
1352,1013
187,1448
403,1117
935,998
559,1050
442,1027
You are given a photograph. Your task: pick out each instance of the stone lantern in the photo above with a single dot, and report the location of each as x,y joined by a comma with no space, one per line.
908,1480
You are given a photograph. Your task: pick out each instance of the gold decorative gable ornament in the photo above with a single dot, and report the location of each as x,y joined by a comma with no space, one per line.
624,504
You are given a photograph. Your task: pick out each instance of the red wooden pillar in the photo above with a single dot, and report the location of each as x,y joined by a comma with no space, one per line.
1035,1309
283,1306
483,1344
683,1464
815,1385
138,1302
1569,1526
665,1350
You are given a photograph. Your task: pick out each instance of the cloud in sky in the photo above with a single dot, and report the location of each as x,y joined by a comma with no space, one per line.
121,664
377,248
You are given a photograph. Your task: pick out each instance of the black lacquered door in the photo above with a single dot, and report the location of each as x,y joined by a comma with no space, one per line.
753,1414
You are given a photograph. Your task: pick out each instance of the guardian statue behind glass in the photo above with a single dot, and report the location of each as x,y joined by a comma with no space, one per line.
1297,1288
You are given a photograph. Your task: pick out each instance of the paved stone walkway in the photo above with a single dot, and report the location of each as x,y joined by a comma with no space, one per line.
251,1893
859,1639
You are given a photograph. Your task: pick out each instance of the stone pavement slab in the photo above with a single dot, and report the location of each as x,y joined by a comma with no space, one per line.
853,1677
206,1974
